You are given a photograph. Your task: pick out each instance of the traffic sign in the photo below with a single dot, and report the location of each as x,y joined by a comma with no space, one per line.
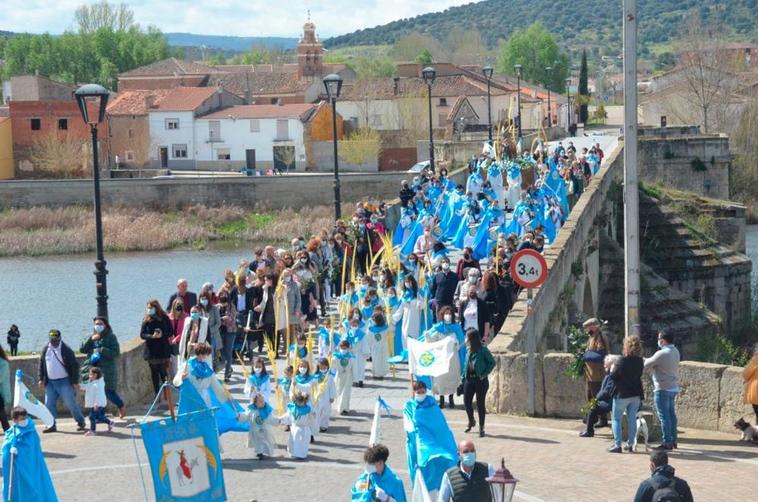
528,268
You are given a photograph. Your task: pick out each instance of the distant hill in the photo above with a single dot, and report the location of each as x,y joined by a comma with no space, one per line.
224,43
577,23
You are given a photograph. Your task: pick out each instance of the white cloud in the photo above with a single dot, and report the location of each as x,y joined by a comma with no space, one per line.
228,17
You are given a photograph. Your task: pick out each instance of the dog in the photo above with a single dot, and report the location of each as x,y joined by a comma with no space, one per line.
642,430
749,432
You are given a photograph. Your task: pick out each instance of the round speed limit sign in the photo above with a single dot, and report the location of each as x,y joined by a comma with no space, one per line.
528,268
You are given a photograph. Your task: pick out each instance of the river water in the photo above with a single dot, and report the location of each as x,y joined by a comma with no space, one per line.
59,291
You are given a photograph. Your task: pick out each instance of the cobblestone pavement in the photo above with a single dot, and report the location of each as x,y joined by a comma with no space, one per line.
546,455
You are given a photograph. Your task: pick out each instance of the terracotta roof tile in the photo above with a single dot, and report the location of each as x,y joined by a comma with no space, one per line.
184,99
168,67
302,111
260,83
445,86
136,102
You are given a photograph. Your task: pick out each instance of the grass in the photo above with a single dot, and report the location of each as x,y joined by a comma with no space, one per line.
46,231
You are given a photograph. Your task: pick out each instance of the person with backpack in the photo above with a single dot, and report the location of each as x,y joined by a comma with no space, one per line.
662,486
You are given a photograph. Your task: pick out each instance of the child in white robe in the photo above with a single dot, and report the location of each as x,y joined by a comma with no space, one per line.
299,419
258,382
356,334
378,336
326,393
325,345
283,386
260,416
342,362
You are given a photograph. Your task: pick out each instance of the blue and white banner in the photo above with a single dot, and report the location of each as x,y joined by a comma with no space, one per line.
184,458
431,358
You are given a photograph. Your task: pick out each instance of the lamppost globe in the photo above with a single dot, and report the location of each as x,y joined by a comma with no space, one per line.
92,92
517,68
429,74
487,71
548,69
502,484
333,85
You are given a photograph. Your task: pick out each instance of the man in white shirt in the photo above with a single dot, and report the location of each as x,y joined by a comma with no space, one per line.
467,481
59,373
664,366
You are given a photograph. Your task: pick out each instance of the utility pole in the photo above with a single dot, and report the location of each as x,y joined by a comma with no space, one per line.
631,194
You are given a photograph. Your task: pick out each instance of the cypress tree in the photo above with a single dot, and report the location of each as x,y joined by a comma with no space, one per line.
583,90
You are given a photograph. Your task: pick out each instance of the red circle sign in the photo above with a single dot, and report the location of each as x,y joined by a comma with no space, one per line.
528,268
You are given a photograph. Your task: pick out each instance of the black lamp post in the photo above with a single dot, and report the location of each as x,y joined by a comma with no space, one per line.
517,69
333,85
568,103
549,70
429,75
487,70
96,93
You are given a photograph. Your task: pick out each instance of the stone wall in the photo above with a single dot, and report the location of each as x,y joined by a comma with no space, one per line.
274,192
711,395
134,383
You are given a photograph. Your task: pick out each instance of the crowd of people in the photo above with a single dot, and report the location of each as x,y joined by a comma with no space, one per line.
442,271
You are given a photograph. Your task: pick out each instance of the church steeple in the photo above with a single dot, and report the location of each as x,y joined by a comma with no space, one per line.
310,52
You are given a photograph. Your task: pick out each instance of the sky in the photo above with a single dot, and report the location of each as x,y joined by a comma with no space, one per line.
227,17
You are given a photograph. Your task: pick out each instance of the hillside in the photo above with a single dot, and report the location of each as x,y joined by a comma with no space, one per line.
228,43
577,23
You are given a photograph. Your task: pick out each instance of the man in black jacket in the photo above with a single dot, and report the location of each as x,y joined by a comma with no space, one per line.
443,286
406,193
604,397
662,482
59,373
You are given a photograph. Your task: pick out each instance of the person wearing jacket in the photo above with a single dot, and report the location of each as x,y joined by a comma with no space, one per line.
102,350
5,388
478,364
750,375
629,393
664,365
156,331
604,397
59,374
662,478
597,349
474,314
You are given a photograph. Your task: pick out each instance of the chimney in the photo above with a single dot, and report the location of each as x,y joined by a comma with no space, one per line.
395,81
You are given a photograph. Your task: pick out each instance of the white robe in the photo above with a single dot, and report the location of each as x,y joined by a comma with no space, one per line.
327,392
514,191
309,389
261,434
379,351
344,383
299,440
251,390
410,313
361,351
497,186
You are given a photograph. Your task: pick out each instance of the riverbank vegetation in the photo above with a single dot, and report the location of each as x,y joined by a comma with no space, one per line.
46,231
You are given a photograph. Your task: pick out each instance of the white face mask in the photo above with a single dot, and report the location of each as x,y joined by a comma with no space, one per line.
302,371
258,371
343,351
448,318
420,397
369,468
473,279
356,317
445,266
23,423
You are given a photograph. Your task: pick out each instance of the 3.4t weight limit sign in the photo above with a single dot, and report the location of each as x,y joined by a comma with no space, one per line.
528,268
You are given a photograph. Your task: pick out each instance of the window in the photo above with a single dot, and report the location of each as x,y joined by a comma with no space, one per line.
443,101
172,123
275,101
214,130
255,125
179,151
282,130
36,124
223,154
129,155
63,124
131,133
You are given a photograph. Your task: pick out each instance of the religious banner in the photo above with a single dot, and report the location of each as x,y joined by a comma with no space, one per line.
184,458
431,358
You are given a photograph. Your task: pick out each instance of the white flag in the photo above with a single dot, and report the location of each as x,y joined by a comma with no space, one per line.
420,492
430,359
376,430
23,397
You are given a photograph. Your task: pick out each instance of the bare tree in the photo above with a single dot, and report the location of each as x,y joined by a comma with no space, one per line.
61,156
411,115
117,17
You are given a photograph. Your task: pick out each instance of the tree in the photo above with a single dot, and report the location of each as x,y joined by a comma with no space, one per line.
363,146
219,58
91,18
744,143
466,46
600,114
408,47
424,57
60,155
583,90
535,49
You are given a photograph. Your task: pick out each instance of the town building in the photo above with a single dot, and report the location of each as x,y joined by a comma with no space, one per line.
7,168
130,144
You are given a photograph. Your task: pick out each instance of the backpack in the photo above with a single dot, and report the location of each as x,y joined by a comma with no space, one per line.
666,492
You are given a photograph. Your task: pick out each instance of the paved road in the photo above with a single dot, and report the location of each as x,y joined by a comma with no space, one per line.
551,461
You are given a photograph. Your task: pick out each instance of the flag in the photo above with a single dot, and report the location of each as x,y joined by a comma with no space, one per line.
376,430
430,358
420,492
23,397
184,457
226,413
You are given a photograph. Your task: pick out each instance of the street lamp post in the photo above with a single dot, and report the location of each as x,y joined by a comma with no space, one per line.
568,104
517,69
429,74
487,70
549,71
333,85
98,95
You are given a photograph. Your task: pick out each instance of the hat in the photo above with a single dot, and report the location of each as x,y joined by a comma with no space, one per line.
591,322
54,333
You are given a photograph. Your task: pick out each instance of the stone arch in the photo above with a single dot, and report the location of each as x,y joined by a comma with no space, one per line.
588,305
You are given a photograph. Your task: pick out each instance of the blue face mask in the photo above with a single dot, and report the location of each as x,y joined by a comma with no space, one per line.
195,316
99,328
468,459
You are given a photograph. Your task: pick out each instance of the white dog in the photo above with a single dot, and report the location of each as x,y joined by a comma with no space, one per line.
642,430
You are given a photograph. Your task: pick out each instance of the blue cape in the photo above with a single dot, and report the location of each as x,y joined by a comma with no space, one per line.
431,446
31,479
225,413
364,489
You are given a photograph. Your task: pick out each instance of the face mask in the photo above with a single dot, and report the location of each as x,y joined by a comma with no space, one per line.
99,328
303,261
300,346
151,311
204,302
356,317
445,266
203,359
468,459
660,344
448,318
408,285
472,280
23,423
55,342
343,351
370,468
287,280
302,371
412,263
195,316
420,397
